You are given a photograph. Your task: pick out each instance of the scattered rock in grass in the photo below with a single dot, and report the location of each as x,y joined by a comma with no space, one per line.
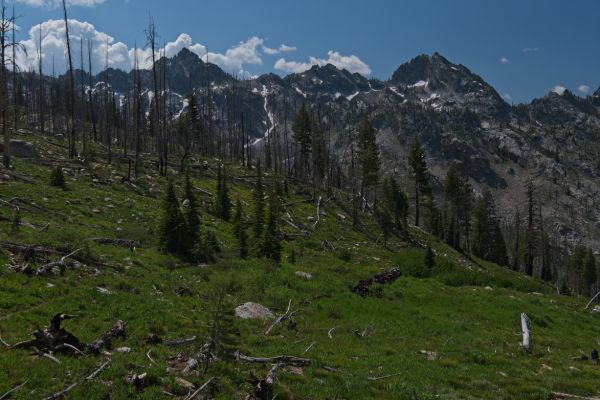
187,385
304,275
103,290
596,309
546,367
123,349
431,355
253,311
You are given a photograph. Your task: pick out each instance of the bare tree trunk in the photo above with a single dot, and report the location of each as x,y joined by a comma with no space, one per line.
526,329
4,25
71,87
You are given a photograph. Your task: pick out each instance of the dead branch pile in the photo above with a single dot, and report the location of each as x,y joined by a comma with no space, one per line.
362,288
56,339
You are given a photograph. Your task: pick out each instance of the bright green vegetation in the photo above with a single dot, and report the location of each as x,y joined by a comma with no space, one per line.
466,311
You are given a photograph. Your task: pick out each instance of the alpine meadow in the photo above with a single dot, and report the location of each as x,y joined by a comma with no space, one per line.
179,223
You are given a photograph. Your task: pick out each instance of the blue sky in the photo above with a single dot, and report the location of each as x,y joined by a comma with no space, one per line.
522,47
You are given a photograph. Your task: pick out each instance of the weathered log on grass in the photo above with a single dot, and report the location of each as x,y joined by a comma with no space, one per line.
287,360
362,288
30,251
131,244
117,330
55,339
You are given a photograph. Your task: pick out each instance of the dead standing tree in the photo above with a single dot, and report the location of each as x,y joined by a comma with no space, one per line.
71,126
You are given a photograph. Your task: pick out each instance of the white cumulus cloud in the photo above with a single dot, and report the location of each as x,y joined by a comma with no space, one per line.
120,56
351,63
504,60
584,89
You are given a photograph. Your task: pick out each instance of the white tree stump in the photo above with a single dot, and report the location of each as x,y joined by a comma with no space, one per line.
526,329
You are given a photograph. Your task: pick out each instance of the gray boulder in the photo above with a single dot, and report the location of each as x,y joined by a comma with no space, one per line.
253,311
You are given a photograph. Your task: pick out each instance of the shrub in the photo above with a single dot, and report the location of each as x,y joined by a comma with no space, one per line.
57,178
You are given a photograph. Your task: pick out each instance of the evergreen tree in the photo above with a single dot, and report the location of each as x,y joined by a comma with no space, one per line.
457,210
240,230
57,178
368,153
301,128
224,335
416,160
16,221
488,240
223,206
172,229
589,270
259,205
396,204
319,153
271,243
191,217
429,258
531,235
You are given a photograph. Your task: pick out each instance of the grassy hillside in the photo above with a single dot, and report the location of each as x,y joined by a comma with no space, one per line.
467,312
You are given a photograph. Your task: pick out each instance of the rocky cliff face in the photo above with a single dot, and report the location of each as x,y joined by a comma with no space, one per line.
553,141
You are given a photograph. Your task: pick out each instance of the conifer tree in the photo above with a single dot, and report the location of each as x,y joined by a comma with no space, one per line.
429,258
301,128
172,229
223,206
368,154
190,214
416,160
457,210
259,205
396,203
531,236
271,243
590,274
488,240
240,230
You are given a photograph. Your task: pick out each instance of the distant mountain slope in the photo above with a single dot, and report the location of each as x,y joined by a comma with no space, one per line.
553,141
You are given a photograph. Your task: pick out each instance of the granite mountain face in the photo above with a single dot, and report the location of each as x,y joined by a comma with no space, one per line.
553,141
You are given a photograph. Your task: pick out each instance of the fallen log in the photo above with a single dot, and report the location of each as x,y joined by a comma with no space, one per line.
117,330
177,342
29,251
286,360
131,244
281,318
99,370
62,264
62,393
200,389
362,288
14,389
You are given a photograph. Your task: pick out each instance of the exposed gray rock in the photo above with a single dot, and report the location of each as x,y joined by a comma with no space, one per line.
304,275
253,311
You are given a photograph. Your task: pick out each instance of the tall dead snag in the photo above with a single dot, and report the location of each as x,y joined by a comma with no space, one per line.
526,329
4,29
71,87
151,38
